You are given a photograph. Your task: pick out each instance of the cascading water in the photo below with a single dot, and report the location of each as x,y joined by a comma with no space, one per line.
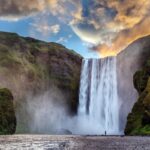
98,99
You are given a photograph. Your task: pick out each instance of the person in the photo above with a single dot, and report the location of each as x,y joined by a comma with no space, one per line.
105,133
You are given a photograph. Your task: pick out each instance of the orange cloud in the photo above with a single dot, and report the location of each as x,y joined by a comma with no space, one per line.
125,38
112,25
109,26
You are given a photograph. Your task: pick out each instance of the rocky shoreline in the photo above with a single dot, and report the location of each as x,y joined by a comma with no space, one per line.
73,142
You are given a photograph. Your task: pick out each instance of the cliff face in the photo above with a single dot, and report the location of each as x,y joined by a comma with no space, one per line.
138,122
30,67
128,62
7,113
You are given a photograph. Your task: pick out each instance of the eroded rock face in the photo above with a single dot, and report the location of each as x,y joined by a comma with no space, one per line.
7,113
128,62
138,122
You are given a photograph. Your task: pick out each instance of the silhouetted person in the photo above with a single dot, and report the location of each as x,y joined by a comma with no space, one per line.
105,133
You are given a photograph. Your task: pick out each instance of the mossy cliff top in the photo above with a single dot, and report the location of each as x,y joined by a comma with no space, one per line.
138,121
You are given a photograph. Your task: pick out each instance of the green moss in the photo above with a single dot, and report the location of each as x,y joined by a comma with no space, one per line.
134,118
141,130
7,114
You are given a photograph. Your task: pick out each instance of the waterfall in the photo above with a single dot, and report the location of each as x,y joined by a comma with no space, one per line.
98,99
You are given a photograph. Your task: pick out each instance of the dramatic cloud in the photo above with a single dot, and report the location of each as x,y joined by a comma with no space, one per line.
112,25
14,9
108,25
124,38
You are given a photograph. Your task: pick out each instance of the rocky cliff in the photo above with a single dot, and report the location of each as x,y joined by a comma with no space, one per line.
28,67
7,113
129,61
138,122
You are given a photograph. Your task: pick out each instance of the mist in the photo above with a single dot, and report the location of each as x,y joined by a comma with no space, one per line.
44,113
48,113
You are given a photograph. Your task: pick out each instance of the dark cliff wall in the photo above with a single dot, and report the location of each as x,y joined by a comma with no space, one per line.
7,113
138,122
30,67
128,62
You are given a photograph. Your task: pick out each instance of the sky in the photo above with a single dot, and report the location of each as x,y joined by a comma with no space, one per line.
93,28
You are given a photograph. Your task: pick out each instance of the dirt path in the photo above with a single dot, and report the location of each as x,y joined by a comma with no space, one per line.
47,142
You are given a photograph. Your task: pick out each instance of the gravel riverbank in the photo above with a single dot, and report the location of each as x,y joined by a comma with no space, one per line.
50,142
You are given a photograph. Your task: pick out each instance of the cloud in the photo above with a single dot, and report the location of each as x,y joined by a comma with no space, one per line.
55,12
109,26
45,28
112,25
124,38
15,9
55,28
64,39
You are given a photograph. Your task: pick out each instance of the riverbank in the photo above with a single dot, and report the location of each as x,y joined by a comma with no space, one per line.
61,142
